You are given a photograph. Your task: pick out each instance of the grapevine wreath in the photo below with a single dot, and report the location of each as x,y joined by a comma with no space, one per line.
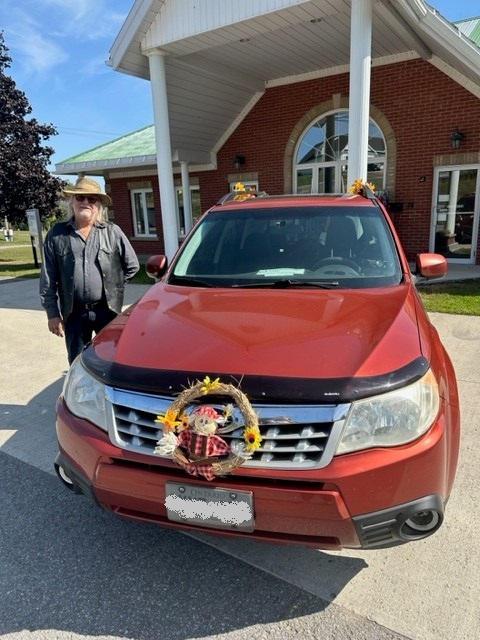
192,431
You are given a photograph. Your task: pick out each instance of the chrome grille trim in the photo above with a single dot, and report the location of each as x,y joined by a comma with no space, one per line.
298,437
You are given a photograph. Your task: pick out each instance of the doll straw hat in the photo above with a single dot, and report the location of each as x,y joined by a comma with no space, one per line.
88,187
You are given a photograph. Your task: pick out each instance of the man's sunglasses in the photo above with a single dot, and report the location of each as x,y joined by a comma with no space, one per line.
91,199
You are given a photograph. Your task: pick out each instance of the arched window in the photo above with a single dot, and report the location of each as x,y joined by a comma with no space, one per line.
321,158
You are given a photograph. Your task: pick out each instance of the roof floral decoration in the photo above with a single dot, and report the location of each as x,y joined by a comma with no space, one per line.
358,187
242,193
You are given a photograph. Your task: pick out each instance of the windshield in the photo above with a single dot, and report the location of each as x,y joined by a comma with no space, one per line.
290,246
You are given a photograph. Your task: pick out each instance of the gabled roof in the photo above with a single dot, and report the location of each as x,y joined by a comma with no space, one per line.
220,57
134,149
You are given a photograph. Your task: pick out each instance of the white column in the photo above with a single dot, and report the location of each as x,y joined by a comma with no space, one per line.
452,200
359,104
158,83
187,199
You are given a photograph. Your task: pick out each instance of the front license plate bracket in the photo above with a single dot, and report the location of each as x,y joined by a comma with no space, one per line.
210,506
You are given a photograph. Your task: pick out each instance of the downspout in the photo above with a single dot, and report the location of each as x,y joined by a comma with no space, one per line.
359,103
158,81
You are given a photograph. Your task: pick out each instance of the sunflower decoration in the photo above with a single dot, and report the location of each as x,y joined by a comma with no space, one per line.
358,187
169,421
241,193
208,386
252,438
193,437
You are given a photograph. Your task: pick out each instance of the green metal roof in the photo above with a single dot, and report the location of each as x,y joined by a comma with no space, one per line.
470,28
138,143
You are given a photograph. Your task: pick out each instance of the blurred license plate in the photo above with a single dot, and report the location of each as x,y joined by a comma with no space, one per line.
209,506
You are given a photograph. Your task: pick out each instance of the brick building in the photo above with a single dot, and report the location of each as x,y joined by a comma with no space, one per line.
295,96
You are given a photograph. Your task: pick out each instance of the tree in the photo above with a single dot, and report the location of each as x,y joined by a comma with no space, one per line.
25,181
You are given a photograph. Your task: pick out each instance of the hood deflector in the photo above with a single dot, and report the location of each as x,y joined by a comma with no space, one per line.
259,389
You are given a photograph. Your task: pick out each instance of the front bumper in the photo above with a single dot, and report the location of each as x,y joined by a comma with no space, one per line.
364,500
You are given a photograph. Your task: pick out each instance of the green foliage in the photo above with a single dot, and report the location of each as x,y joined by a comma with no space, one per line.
25,181
52,219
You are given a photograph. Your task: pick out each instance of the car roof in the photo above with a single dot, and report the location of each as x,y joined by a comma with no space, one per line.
263,201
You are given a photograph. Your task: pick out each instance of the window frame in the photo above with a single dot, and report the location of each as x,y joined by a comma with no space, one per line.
143,193
338,166
179,189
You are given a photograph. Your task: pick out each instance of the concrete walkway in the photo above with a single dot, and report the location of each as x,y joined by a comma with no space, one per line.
461,272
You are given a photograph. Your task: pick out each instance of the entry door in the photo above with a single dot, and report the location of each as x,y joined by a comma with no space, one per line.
456,206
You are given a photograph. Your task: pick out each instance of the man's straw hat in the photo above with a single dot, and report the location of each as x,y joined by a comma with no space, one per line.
88,187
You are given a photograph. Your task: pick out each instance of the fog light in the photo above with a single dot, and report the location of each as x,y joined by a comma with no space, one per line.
421,524
67,481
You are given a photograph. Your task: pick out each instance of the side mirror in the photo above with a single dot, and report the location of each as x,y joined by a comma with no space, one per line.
156,266
430,266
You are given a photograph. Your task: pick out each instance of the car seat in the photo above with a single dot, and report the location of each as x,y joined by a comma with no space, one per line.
341,239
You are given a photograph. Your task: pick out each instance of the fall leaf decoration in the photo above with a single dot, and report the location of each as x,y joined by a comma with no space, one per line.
241,192
358,187
169,421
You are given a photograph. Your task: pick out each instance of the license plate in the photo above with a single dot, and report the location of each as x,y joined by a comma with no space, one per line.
209,506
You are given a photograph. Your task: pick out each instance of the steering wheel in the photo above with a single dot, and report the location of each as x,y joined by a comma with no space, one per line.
336,267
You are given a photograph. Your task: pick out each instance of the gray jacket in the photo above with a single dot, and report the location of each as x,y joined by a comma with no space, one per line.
116,257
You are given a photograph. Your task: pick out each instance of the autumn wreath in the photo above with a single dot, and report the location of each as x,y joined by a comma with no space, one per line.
192,431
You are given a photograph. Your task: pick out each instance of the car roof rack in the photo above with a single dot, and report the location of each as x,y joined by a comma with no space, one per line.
247,194
368,192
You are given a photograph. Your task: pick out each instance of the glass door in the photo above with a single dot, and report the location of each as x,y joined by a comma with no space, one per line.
455,215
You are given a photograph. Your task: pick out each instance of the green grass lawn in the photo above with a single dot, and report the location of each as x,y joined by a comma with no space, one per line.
17,260
462,298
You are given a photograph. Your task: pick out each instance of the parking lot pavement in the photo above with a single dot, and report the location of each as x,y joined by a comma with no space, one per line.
426,590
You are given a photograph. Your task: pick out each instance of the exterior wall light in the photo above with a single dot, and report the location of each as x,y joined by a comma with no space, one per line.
239,162
456,139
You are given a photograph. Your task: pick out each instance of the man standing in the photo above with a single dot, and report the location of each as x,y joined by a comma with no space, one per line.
87,261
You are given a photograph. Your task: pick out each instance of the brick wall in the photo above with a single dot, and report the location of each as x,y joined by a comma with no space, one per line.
121,213
422,105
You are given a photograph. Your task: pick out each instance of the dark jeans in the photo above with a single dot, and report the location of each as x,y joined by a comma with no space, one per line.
80,326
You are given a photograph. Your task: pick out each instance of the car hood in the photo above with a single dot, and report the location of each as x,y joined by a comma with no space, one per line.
263,332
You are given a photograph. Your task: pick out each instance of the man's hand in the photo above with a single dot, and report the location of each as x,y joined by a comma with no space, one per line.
55,326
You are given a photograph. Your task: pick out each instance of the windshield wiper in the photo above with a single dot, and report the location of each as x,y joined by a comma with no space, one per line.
189,281
286,283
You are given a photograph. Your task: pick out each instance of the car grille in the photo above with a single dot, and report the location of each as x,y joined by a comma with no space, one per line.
293,436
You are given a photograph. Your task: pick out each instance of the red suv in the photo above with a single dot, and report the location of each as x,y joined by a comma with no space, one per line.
281,381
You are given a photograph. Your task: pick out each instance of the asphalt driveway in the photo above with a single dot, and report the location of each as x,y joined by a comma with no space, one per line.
426,590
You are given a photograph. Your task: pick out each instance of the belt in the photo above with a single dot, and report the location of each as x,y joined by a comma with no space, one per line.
87,306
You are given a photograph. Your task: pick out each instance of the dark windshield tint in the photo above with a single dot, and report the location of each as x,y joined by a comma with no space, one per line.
348,246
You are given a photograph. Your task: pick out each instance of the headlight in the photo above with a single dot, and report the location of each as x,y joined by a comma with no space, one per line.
84,395
393,418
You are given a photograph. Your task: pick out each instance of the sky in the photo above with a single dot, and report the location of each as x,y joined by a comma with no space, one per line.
58,50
